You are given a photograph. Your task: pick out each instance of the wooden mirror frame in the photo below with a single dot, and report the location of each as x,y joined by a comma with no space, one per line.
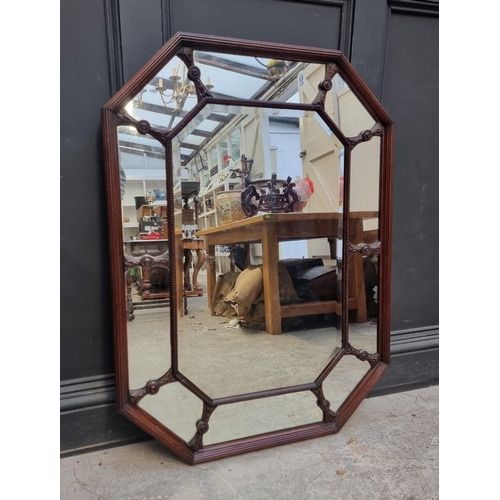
183,45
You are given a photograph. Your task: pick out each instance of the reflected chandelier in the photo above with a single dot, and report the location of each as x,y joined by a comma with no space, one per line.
179,90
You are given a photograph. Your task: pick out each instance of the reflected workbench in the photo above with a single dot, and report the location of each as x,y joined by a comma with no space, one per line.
270,230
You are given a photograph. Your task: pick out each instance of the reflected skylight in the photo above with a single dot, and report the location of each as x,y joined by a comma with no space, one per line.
207,126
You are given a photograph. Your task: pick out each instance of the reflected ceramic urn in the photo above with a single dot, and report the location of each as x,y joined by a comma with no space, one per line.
228,207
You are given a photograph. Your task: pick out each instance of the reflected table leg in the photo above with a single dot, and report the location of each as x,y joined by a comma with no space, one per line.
270,257
192,288
211,263
188,259
201,256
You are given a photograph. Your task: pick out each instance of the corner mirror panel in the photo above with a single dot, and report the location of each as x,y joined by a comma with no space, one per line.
365,244
342,381
146,255
175,407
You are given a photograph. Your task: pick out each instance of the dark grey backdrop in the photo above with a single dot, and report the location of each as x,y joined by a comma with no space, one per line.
394,46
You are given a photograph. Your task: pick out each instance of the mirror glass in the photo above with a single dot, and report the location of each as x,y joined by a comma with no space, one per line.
232,76
272,303
176,407
364,235
250,418
346,109
343,379
258,220
166,99
143,191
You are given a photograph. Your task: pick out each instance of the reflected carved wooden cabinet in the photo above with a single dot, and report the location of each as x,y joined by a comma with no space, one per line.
289,315
148,273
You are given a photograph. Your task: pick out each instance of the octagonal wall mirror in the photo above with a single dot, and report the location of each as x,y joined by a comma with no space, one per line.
249,205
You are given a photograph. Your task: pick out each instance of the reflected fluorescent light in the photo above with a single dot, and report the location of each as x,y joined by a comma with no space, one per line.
276,68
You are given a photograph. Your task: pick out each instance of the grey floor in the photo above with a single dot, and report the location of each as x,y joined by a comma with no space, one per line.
389,449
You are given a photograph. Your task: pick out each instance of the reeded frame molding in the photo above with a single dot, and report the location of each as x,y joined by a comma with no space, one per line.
181,44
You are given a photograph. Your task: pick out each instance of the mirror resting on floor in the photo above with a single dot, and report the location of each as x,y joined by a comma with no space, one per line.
249,211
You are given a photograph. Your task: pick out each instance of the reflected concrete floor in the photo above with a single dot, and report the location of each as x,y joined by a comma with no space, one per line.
226,361
211,352
388,450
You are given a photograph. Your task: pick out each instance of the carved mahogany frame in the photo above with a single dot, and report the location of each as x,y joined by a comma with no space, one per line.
113,115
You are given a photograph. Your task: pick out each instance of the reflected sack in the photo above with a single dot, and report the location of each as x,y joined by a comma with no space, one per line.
247,288
225,284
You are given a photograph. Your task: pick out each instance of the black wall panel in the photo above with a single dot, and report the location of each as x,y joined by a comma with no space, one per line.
368,42
86,334
410,94
146,25
141,33
300,23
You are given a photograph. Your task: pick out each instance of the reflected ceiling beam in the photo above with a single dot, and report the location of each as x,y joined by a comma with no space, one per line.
194,123
145,147
187,159
199,147
220,118
205,114
191,128
137,150
288,120
174,116
228,65
218,95
202,133
209,137
187,145
288,92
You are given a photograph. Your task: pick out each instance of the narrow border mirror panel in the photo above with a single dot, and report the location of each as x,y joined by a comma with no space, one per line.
249,194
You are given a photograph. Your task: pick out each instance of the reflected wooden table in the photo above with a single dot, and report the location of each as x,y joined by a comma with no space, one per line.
154,254
270,230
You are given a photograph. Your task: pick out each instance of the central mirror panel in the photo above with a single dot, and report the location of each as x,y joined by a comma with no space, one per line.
272,304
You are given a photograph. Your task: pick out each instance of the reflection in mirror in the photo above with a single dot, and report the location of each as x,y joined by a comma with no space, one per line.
346,375
347,110
166,99
258,416
148,346
233,76
176,407
341,103
271,224
363,265
143,189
